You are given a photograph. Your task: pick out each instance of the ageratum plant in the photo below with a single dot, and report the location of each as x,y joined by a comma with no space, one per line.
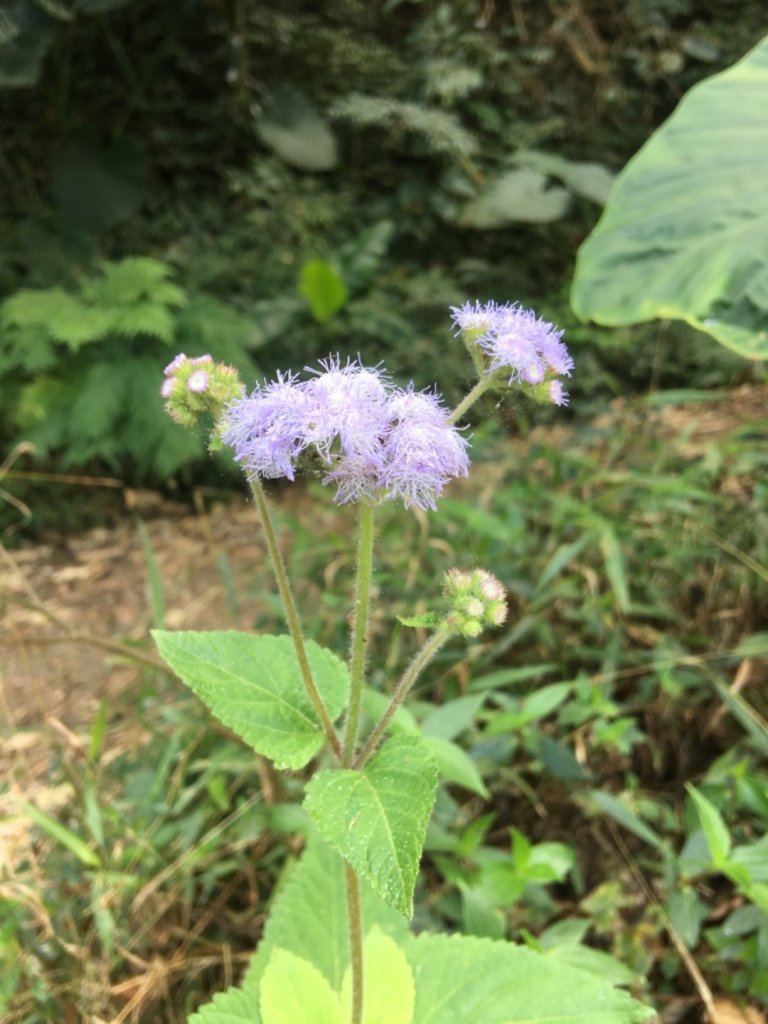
337,948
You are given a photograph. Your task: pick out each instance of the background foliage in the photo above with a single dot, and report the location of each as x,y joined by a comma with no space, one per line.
417,154
271,182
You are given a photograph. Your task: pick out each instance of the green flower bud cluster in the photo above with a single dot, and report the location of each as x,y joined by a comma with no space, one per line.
199,387
476,601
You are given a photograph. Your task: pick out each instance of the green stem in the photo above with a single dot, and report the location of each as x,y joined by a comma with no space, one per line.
355,920
292,616
469,399
409,677
359,644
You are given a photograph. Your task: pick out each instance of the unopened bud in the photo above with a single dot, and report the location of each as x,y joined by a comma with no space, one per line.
476,600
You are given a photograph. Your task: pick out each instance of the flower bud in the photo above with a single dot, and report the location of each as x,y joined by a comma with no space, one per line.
476,600
196,387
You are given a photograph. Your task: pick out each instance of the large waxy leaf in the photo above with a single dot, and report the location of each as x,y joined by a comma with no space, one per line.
461,980
685,231
377,818
253,685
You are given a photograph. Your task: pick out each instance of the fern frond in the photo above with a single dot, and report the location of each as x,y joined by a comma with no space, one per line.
142,318
127,281
27,348
64,316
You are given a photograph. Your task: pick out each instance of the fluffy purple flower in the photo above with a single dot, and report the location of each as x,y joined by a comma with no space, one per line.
557,395
368,437
526,345
423,450
514,340
267,429
347,403
475,316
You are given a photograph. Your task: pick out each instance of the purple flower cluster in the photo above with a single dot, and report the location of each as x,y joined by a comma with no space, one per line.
371,439
518,343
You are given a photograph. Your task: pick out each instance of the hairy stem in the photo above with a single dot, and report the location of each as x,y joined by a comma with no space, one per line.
292,616
469,399
355,920
409,677
359,644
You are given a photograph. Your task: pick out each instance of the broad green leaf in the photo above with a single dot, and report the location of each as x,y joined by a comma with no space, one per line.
455,765
518,195
254,686
293,991
323,288
715,829
291,126
685,232
461,980
308,917
388,986
377,818
586,178
593,961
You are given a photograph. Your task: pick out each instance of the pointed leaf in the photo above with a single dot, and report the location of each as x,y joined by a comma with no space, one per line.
293,991
254,686
388,984
455,765
377,818
713,826
308,917
463,980
323,288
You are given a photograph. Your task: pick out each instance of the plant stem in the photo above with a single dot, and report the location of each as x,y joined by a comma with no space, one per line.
469,399
409,677
292,616
359,644
355,919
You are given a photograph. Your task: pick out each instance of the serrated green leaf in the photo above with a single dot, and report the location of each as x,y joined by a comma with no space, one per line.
253,685
293,991
462,980
388,984
713,826
685,232
377,818
309,917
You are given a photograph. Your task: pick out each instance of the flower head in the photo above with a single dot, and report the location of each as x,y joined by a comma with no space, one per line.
423,451
514,346
366,437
